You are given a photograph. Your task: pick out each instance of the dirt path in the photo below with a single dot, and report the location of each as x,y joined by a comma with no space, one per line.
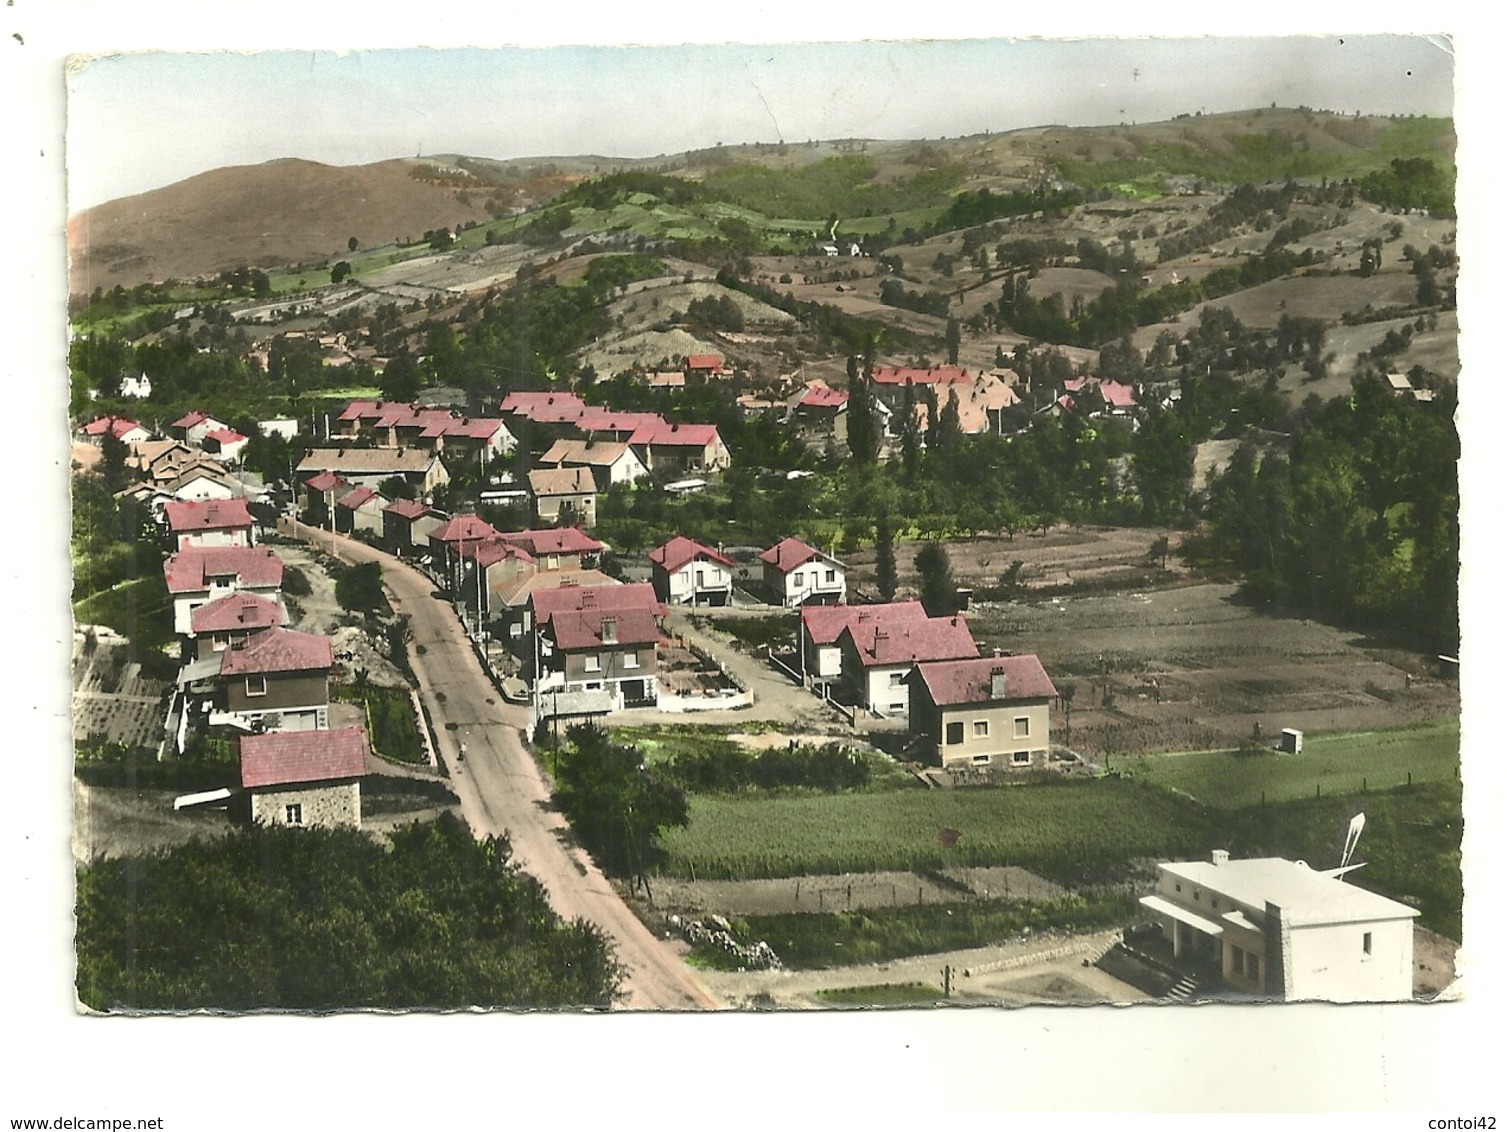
1022,972
502,790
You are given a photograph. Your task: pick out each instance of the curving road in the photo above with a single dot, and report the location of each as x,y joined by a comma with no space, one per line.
502,790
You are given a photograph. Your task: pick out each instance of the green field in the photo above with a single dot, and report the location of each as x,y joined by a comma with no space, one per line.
1070,831
139,609
1346,763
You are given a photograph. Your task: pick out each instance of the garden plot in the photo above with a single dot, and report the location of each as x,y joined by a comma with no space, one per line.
113,700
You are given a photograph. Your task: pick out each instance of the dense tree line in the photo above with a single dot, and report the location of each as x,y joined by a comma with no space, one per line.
1412,182
311,919
827,767
1358,523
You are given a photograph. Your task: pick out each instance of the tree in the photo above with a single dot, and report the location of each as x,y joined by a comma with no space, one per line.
884,546
863,427
340,272
954,340
359,588
113,453
938,590
400,380
616,805
352,244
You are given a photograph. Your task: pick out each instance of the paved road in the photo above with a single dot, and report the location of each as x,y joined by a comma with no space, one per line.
502,790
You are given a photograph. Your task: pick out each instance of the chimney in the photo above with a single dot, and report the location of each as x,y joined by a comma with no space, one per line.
1221,857
997,682
609,630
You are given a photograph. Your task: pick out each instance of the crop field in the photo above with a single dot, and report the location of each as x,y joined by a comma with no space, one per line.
1068,832
1349,763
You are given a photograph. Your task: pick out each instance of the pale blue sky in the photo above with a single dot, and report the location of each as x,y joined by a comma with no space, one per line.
137,121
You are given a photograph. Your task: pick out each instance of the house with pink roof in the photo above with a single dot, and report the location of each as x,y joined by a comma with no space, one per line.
320,492
680,449
359,511
822,627
818,406
192,427
983,712
278,680
406,524
122,429
214,522
598,660
687,572
198,575
228,621
225,445
304,778
703,368
796,573
878,656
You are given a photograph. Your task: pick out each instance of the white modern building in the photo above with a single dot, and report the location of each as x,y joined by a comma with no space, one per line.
1281,929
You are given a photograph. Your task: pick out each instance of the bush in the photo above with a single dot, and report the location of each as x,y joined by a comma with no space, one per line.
359,588
296,582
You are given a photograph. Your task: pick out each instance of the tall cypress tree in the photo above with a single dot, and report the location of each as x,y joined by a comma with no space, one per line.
884,544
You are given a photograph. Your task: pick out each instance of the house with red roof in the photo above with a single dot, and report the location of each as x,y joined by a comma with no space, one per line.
796,573
227,622
320,492
878,656
900,376
192,427
558,548
304,778
823,625
563,495
214,522
406,524
680,449
198,575
687,572
277,680
225,445
360,511
702,368
598,660
983,711
126,431
818,406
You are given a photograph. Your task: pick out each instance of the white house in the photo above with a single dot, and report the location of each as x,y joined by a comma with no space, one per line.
688,573
1279,928
797,574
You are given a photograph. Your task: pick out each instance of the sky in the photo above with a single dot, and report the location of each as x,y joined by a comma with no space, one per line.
140,120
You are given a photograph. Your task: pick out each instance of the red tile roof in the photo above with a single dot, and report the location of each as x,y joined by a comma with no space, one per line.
676,435
224,436
212,515
679,550
825,623
408,508
278,650
356,410
324,481
574,630
236,611
531,404
117,427
492,551
1117,395
555,540
475,428
789,553
887,642
463,528
284,758
823,397
357,498
189,419
188,571
581,599
952,682
704,361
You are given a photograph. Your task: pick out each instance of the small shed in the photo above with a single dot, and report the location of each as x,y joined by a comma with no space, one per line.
1292,741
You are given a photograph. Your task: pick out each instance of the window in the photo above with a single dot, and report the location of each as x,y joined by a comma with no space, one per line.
897,679
1020,758
293,813
1178,887
594,663
954,733
799,580
1252,967
1237,960
1365,943
630,660
980,760
1215,902
831,577
981,729
256,685
1022,726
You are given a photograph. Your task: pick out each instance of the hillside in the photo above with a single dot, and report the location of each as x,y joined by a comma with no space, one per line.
295,211
280,212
